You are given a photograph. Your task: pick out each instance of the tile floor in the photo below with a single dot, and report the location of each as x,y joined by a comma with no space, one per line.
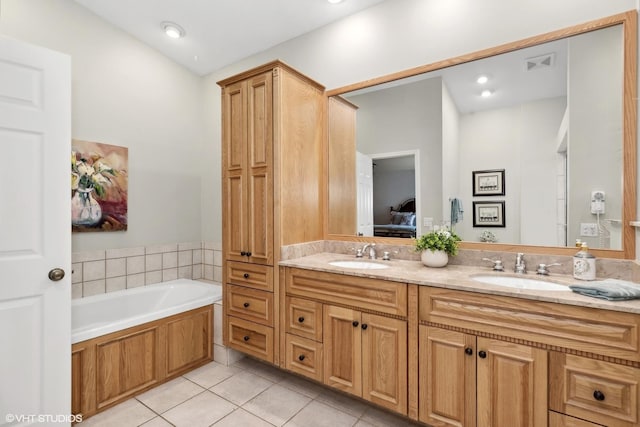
245,394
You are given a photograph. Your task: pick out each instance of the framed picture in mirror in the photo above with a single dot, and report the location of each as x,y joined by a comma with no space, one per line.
488,214
488,182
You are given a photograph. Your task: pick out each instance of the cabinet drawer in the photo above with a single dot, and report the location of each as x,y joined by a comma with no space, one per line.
609,333
252,275
304,318
251,338
369,294
561,420
250,304
304,357
594,390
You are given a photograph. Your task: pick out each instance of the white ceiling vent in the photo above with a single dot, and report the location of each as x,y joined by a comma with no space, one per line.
540,62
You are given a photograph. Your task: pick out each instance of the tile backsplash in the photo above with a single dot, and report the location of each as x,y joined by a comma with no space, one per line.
97,272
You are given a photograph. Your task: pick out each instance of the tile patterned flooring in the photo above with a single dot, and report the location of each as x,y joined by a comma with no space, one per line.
245,394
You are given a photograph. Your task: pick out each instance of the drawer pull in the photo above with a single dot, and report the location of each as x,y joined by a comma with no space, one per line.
243,253
468,351
246,338
301,357
598,395
482,354
300,319
246,305
355,323
364,326
245,275
248,253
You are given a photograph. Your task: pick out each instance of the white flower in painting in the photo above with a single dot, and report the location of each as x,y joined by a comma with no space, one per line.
91,173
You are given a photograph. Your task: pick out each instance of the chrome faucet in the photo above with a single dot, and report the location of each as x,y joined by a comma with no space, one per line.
372,251
520,266
543,269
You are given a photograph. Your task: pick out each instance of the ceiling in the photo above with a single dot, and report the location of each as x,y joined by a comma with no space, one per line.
220,32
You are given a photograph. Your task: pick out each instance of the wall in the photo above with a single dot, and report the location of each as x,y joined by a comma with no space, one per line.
125,93
521,140
593,77
450,156
393,36
405,118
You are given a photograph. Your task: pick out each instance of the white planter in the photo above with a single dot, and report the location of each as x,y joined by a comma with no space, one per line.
435,259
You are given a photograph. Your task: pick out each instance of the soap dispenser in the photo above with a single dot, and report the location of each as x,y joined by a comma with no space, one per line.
584,264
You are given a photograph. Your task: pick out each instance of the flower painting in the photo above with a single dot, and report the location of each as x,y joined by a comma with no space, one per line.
98,186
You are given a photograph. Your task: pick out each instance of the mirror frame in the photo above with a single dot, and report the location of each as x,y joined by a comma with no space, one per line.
629,23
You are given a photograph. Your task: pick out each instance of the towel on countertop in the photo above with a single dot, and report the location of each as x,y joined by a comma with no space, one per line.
456,210
609,289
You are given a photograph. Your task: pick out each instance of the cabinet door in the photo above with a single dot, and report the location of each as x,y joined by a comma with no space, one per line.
384,361
343,349
260,168
512,385
234,166
447,381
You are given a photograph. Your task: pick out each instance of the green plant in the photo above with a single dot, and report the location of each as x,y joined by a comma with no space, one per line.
440,240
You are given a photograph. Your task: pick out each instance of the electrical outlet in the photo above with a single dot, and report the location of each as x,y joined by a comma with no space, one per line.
588,229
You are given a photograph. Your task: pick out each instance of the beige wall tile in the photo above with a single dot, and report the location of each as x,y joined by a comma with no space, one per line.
93,287
93,270
169,260
135,280
116,267
153,277
153,262
116,283
185,258
135,265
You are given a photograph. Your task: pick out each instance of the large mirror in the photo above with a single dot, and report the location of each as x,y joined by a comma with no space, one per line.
541,154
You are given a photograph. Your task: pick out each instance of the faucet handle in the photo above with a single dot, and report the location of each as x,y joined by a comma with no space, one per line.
543,268
359,253
497,264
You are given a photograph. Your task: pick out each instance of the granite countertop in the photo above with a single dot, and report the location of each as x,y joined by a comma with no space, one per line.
459,277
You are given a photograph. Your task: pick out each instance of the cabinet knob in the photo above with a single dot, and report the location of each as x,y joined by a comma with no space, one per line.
468,351
246,338
243,253
355,323
245,275
301,357
248,253
300,319
246,305
364,326
482,354
598,395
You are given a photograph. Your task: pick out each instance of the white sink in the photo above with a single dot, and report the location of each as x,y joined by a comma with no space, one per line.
366,265
520,283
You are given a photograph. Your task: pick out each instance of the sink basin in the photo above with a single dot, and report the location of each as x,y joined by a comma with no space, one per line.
520,283
366,265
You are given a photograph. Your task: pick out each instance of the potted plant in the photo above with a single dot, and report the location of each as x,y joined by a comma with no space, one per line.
436,247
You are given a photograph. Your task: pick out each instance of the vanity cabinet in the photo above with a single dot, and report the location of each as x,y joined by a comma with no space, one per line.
366,355
350,333
272,169
467,381
594,390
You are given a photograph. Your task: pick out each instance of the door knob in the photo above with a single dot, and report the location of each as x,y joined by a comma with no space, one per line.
56,274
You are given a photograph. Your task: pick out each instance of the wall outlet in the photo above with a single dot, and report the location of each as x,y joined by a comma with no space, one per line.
588,229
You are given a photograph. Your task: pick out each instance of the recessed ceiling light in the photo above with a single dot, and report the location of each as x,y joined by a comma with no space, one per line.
486,93
173,30
335,1
482,79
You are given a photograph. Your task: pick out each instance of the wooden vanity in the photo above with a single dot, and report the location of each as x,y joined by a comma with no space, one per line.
455,356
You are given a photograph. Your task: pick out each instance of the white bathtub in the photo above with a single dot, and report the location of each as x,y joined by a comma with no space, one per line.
105,313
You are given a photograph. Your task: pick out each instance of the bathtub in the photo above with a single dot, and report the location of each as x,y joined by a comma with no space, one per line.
105,313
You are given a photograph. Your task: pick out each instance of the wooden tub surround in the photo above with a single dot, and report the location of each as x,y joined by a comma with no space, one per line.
112,368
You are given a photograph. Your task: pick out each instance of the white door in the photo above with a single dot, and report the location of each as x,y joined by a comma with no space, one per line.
364,171
35,234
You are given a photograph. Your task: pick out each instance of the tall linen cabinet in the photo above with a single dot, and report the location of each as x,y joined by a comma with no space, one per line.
272,181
